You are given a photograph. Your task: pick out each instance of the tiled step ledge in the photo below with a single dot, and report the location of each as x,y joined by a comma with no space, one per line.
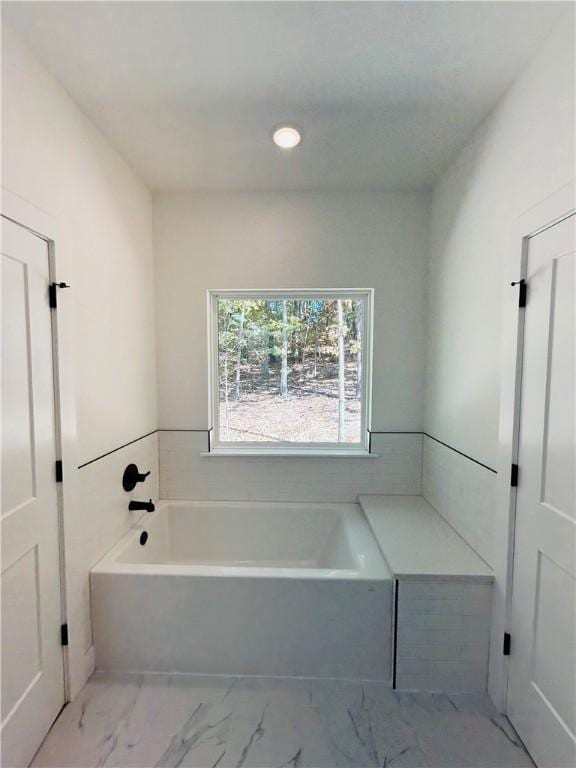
417,543
442,597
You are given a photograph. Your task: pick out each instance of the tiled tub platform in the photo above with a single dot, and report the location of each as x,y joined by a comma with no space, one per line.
442,597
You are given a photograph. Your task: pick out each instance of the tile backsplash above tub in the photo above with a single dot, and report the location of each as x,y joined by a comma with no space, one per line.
101,519
463,491
186,474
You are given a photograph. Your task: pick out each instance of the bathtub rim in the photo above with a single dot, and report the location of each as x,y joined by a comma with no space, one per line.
374,569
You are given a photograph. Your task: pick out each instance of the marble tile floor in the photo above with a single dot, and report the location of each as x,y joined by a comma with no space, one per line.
140,721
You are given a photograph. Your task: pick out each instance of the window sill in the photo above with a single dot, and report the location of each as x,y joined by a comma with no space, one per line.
267,453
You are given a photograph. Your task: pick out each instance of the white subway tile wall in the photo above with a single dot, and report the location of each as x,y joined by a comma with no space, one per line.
443,636
102,518
463,492
185,474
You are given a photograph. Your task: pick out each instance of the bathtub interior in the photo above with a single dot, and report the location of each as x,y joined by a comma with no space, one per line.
323,536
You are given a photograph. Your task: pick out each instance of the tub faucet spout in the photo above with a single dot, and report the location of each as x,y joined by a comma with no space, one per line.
136,506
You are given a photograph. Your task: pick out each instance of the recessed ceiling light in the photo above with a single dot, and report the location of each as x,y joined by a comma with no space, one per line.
286,137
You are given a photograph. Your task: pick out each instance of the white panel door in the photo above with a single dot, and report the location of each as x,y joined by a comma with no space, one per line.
32,663
542,701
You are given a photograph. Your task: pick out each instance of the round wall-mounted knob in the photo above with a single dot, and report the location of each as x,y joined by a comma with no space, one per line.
132,476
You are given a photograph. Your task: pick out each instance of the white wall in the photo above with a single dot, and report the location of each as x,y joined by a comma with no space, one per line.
522,154
292,240
56,160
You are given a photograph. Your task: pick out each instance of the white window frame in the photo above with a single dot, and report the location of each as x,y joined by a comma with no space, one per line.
246,448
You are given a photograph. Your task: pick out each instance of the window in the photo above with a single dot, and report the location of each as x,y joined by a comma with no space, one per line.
290,371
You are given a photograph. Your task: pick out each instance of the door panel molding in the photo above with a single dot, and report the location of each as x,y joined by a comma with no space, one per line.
540,562
32,659
77,666
545,214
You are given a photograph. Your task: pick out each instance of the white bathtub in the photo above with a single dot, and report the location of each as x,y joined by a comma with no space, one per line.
246,588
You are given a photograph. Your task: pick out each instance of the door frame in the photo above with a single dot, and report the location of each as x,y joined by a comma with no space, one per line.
44,226
550,211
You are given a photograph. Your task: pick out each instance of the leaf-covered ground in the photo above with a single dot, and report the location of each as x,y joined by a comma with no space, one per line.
309,413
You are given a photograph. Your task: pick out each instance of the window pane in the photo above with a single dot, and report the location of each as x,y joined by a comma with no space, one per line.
290,370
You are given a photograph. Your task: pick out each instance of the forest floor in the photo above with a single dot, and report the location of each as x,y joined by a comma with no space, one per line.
308,413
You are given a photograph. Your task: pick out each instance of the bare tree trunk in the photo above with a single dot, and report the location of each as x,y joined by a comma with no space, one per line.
284,371
315,372
265,367
294,336
341,372
226,420
239,355
359,326
305,341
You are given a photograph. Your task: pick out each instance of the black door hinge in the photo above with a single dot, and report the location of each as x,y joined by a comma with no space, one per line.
53,293
59,471
64,634
522,292
506,644
514,476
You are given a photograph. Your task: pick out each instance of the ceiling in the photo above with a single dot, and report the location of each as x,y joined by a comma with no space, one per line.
385,92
